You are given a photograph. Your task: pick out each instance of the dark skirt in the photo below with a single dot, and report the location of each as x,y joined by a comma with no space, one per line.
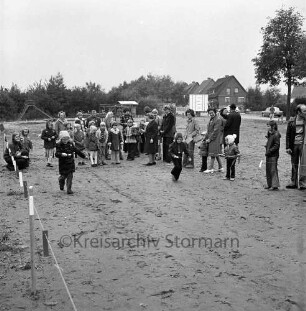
151,148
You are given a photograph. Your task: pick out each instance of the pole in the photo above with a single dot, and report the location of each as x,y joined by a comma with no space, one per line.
31,218
45,243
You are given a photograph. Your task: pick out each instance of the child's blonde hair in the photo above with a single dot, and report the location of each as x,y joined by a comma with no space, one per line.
92,129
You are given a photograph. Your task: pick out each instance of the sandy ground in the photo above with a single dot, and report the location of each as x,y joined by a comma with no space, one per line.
256,262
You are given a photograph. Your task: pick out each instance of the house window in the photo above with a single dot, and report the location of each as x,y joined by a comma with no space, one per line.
240,100
227,100
228,91
236,90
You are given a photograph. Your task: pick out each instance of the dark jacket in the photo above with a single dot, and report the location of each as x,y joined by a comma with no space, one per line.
12,150
232,125
178,149
46,134
151,133
168,125
66,164
291,132
273,144
96,119
115,138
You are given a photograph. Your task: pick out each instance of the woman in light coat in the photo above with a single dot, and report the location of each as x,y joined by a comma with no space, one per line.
214,134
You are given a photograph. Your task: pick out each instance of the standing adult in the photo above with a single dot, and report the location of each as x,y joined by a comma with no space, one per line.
93,117
109,118
213,140
223,113
272,111
158,120
151,134
126,116
296,147
192,130
61,123
167,131
233,122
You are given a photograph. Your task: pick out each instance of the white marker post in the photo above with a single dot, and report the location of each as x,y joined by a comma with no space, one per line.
260,164
31,218
20,179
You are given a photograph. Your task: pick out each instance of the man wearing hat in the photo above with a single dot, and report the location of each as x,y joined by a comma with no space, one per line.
167,131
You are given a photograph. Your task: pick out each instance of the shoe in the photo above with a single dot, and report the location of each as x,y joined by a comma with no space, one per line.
69,192
148,164
201,170
173,178
80,163
221,170
232,179
302,188
154,163
48,165
208,171
104,163
117,162
61,187
267,187
274,188
291,186
225,178
83,163
92,165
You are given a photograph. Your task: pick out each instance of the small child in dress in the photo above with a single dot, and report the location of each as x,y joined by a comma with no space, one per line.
272,155
49,136
130,140
176,150
102,135
231,153
203,151
65,150
79,139
93,145
115,142
25,140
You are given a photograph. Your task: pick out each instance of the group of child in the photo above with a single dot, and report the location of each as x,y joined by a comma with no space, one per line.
231,154
95,143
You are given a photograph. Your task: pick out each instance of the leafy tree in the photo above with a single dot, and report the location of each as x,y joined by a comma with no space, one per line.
254,99
271,97
8,108
281,52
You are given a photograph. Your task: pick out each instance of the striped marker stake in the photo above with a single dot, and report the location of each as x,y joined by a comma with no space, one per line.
25,189
45,243
14,163
31,218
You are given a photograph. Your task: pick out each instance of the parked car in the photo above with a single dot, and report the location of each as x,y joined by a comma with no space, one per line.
277,112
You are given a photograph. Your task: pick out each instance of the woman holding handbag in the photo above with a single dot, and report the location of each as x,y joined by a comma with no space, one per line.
191,137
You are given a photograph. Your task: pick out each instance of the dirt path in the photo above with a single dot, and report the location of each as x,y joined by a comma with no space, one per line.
263,269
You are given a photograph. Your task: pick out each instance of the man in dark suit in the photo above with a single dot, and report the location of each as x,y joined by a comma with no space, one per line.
233,122
167,131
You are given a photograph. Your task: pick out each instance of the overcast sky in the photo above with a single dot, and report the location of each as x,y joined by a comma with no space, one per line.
111,41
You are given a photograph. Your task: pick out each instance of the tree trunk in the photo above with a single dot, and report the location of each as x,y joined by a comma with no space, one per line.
288,100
